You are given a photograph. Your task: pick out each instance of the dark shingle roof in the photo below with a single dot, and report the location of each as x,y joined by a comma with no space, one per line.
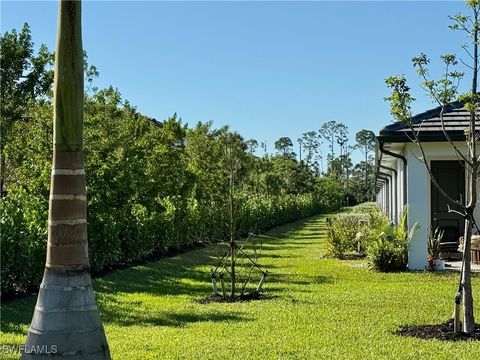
428,124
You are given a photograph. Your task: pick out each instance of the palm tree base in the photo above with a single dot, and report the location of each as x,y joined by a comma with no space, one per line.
66,321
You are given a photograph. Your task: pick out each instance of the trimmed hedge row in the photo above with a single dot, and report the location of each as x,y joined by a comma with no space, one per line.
114,240
151,188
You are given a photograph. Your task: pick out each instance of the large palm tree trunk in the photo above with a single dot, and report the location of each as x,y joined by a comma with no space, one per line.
66,322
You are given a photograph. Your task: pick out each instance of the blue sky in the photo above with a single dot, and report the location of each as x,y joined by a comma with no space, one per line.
267,69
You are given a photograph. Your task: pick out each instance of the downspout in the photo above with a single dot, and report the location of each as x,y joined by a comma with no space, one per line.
404,160
394,190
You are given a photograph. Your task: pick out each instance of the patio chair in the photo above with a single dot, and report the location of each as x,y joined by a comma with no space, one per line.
449,241
475,249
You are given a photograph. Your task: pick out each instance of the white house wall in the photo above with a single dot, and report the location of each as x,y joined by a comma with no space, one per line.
390,197
418,196
400,190
418,209
380,198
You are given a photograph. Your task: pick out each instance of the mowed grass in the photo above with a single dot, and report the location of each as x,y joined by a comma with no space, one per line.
323,308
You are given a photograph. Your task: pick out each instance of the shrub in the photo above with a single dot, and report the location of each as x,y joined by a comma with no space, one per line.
151,188
345,233
387,249
385,255
131,233
24,237
259,213
364,208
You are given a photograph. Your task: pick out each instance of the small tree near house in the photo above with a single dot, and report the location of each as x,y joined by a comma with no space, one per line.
444,92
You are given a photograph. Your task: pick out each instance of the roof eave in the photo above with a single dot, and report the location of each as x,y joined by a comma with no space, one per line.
407,136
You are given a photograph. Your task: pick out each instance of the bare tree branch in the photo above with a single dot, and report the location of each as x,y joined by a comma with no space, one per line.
450,210
465,64
442,105
432,178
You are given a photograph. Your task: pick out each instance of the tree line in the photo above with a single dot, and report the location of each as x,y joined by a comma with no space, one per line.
152,187
356,179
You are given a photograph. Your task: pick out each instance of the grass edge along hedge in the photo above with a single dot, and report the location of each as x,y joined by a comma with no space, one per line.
145,234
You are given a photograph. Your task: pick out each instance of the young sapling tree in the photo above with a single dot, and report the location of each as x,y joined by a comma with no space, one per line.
445,92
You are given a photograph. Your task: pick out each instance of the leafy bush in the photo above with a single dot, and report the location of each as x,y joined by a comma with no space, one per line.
150,189
388,248
345,233
123,239
259,213
385,255
364,208
365,227
24,237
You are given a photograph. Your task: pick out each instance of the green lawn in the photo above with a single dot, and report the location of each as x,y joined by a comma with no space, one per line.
323,308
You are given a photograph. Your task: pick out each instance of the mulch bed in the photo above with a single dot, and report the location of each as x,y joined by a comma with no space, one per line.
352,256
239,298
441,332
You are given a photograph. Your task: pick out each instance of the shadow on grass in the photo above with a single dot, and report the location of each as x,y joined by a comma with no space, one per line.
16,315
276,256
288,279
127,314
185,275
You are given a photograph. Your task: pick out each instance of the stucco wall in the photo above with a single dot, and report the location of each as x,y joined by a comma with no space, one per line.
390,196
399,167
418,208
418,196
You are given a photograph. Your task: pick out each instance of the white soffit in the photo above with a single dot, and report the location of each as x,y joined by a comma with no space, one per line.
388,160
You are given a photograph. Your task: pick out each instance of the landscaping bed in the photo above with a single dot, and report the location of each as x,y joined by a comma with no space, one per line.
322,308
440,331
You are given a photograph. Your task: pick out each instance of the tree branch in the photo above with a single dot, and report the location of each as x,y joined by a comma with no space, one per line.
442,105
450,210
465,64
432,178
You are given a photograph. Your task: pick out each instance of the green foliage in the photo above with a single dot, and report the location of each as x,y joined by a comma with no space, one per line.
259,213
387,248
330,192
362,184
310,143
345,233
348,231
369,208
24,237
385,255
433,243
400,100
151,187
25,76
284,146
365,228
322,308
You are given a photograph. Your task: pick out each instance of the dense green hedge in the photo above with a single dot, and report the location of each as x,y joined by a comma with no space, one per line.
260,213
151,188
115,240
